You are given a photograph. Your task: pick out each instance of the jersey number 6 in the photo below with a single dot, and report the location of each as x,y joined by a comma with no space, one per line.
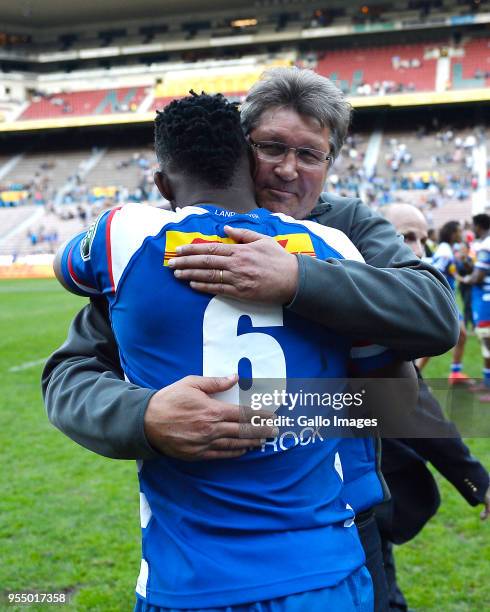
223,348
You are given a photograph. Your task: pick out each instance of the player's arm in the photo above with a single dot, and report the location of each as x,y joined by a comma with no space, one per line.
59,258
85,394
475,278
82,382
82,263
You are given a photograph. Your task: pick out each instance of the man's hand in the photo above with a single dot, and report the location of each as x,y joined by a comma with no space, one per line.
182,421
258,268
485,513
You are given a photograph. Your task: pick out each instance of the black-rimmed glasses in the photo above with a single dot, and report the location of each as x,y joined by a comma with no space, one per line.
275,152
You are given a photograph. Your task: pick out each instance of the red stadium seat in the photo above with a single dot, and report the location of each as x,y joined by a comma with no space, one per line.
95,102
476,60
354,67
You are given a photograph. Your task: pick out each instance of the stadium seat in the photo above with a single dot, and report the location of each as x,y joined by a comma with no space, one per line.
353,67
476,61
79,103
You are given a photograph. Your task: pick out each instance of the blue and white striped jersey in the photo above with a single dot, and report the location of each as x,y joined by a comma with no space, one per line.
481,293
443,260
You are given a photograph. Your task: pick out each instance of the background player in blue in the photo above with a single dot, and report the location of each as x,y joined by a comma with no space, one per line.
443,260
480,279
212,531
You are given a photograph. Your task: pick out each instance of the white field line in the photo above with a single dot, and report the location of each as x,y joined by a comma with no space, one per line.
27,365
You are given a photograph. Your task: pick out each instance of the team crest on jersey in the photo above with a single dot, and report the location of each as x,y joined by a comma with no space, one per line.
296,244
86,243
293,243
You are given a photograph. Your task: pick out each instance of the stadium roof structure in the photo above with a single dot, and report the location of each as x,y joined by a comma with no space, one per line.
47,14
54,13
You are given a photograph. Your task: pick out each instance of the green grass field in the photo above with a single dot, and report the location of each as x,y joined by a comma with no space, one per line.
69,520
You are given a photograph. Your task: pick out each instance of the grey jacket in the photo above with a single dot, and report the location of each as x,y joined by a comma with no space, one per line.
395,300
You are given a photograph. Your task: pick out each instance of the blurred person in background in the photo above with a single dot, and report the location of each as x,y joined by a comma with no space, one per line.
479,280
410,223
464,267
444,260
430,243
414,492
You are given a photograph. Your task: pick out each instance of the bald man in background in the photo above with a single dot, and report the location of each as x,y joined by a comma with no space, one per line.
410,223
414,492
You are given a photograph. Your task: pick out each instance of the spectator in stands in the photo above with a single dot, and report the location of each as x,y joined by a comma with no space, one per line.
414,492
51,238
305,118
33,237
320,18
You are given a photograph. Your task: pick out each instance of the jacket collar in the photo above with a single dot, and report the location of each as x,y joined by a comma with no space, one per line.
320,209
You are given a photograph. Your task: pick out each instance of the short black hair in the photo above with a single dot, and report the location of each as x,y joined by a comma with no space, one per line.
201,136
447,230
482,220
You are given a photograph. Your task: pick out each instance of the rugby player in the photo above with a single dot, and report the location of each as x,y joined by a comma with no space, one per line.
443,259
480,279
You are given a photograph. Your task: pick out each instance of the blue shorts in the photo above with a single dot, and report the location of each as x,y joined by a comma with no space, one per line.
354,594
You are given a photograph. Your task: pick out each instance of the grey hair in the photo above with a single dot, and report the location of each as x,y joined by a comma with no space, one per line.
304,91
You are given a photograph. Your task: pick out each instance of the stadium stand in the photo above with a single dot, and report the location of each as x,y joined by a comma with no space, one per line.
434,169
473,68
385,69
40,175
121,167
233,81
427,165
13,217
160,102
365,70
93,102
40,233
